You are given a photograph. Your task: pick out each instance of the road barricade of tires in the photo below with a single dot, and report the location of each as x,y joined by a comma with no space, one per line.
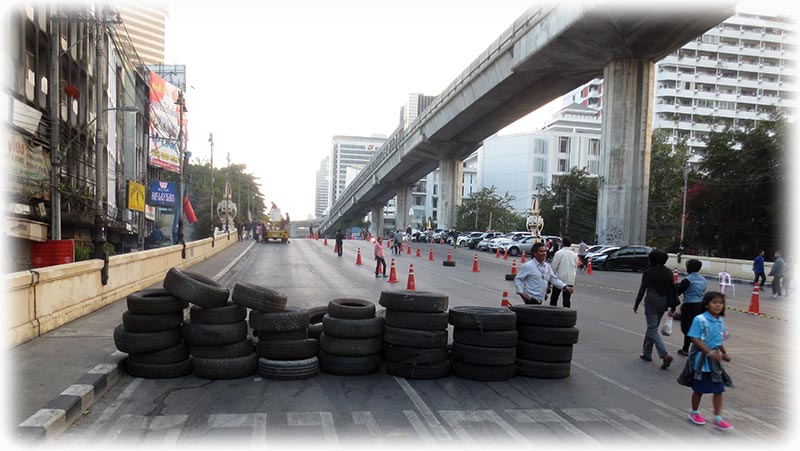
484,343
351,339
546,336
415,335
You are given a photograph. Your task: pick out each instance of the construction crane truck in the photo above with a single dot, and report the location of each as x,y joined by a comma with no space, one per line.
276,227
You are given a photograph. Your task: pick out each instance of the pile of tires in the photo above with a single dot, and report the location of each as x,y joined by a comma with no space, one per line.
484,343
216,331
415,334
351,339
151,335
546,335
283,349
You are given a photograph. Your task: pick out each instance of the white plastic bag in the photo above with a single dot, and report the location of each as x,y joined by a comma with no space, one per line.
666,329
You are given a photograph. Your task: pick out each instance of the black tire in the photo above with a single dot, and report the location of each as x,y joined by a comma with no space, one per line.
483,318
419,371
350,347
258,298
196,288
315,330
134,322
414,356
347,308
414,301
543,370
288,370
174,354
486,373
213,334
352,328
238,349
414,338
349,365
513,251
158,371
230,313
543,353
511,276
545,315
609,266
228,368
417,320
155,301
488,339
299,334
449,263
482,355
547,335
146,342
288,349
315,314
288,320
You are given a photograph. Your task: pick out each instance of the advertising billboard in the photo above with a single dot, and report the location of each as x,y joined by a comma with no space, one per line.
164,124
162,194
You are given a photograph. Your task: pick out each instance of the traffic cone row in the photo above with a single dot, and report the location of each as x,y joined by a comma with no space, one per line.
754,301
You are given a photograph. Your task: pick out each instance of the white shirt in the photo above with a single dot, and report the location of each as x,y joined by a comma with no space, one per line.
532,279
565,265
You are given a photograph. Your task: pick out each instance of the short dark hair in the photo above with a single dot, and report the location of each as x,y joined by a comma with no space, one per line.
566,242
693,265
536,247
708,297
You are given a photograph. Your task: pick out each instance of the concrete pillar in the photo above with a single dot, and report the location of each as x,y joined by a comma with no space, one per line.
401,220
377,220
450,182
625,152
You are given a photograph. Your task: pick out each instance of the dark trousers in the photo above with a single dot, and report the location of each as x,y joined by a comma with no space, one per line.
776,285
339,248
688,312
763,278
554,296
380,263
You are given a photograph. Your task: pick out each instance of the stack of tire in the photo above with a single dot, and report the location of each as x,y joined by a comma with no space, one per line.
217,331
484,343
151,335
283,349
546,335
415,335
351,339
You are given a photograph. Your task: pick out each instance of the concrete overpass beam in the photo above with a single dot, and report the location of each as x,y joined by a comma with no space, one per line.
403,204
625,152
450,183
377,220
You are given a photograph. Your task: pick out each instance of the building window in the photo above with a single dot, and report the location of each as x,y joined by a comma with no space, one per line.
594,147
563,144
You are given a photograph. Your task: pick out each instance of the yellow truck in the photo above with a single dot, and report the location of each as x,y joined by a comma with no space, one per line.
276,227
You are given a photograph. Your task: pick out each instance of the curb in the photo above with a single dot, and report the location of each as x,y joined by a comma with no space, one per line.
58,414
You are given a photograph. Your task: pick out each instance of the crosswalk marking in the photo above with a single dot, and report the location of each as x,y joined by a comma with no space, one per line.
423,408
421,430
323,419
366,419
590,415
548,416
456,418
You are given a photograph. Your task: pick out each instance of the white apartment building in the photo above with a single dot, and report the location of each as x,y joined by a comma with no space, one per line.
321,189
349,154
146,25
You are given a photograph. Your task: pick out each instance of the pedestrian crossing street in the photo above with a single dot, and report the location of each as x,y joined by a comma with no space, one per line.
466,429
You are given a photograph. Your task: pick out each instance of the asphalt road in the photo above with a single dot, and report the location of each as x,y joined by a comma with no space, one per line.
611,397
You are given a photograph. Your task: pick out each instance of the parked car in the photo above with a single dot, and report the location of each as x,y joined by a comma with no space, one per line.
599,258
472,243
465,237
483,245
516,247
503,242
591,251
632,258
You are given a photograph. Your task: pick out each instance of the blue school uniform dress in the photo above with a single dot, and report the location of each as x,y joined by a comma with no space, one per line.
712,332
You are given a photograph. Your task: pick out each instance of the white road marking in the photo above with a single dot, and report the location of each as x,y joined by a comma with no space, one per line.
549,416
112,408
422,431
459,280
455,418
596,416
144,427
423,408
774,377
255,421
323,419
366,419
622,329
631,418
225,270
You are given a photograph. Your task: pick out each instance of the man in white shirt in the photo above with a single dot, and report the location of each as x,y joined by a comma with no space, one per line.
565,265
533,276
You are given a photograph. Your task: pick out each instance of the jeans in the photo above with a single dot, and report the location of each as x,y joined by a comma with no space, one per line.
380,263
566,295
652,336
763,278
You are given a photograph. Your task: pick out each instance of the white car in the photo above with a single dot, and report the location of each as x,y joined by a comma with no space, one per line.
503,242
465,237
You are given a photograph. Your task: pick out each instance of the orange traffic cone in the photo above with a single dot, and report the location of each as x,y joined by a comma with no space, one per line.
430,255
411,285
522,260
514,267
316,236
505,254
475,264
504,302
675,275
589,267
408,251
419,252
335,248
449,256
393,274
754,301
358,257
497,254
325,243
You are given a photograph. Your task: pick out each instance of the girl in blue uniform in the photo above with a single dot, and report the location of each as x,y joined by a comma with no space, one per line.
703,371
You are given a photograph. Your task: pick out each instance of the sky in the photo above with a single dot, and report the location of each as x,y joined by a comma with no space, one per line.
275,81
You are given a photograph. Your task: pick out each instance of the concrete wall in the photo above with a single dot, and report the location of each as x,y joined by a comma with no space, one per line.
38,301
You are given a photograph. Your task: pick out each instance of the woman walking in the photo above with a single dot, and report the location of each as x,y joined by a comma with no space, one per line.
379,258
658,291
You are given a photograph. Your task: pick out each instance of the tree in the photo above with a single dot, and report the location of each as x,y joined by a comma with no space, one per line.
665,197
736,206
582,206
486,210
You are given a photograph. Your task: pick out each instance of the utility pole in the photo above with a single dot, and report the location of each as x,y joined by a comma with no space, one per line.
99,146
227,205
683,214
566,224
181,108
55,123
211,218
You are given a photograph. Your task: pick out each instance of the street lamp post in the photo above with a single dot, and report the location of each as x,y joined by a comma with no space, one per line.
181,151
99,147
211,218
683,213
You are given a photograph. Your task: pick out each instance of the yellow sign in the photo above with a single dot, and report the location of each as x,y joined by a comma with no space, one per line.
136,195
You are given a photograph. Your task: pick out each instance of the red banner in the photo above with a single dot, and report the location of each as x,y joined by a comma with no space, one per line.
52,252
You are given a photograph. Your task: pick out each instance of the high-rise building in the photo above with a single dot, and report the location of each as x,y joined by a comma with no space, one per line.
415,106
349,155
146,25
321,189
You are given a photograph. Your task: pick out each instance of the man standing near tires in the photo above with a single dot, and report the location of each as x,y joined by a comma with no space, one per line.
565,265
532,279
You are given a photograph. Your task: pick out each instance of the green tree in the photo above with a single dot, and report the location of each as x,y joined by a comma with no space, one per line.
665,197
582,206
486,210
736,205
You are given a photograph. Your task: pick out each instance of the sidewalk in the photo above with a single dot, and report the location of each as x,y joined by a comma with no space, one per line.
42,368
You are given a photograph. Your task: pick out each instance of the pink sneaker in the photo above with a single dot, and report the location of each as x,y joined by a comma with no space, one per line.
722,424
696,418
